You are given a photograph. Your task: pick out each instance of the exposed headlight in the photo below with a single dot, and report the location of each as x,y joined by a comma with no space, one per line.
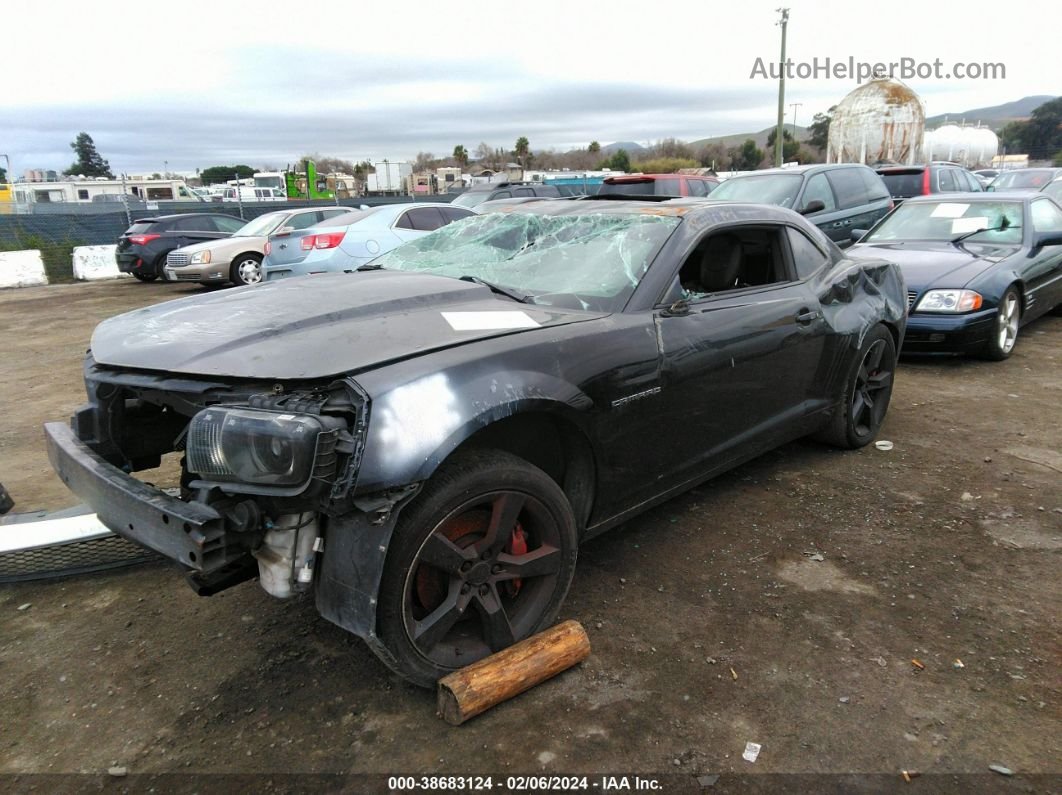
949,301
261,448
201,257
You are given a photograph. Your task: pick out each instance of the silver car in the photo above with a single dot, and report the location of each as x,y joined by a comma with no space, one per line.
349,241
239,258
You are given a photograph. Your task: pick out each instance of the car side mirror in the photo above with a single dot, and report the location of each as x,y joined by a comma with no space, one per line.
857,233
813,206
1047,239
285,230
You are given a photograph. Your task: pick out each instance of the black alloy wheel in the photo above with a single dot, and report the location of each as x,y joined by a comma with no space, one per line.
867,392
480,560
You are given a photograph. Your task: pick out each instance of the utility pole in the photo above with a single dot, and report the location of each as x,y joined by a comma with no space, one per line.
781,91
794,106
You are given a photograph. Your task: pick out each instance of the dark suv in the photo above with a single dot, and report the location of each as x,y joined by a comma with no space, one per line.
836,197
922,180
142,249
477,194
678,186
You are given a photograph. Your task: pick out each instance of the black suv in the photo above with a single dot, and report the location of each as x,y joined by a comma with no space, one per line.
836,197
477,194
922,180
142,249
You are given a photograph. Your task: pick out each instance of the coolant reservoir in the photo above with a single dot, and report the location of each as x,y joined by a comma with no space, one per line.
286,550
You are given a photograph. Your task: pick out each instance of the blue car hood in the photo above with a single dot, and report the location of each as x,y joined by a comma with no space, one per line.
315,326
929,264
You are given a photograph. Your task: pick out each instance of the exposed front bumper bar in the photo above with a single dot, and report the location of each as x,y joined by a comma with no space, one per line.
190,533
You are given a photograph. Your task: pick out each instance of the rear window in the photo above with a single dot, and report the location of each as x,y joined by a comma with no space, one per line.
346,219
629,188
904,184
1022,179
139,228
848,187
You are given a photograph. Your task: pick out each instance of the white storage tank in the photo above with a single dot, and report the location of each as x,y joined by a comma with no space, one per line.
882,121
968,146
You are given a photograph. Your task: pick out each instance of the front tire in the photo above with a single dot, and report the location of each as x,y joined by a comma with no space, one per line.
246,269
145,277
1005,334
481,559
868,388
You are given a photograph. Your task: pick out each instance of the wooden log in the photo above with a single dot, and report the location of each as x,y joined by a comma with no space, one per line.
481,685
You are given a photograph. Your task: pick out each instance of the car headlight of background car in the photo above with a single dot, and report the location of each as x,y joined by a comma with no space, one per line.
268,451
201,257
950,301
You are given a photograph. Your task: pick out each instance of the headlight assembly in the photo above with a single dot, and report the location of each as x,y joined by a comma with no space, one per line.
269,451
201,257
949,301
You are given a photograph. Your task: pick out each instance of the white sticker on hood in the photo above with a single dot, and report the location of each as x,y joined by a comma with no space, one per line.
484,321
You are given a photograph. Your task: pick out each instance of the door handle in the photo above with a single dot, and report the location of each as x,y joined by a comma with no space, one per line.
806,316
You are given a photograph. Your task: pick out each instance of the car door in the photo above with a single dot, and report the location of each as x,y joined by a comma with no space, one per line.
738,364
1042,271
852,201
831,220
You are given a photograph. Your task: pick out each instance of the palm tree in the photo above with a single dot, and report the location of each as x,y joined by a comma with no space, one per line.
522,150
461,155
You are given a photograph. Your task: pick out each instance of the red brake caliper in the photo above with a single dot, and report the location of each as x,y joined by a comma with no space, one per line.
518,546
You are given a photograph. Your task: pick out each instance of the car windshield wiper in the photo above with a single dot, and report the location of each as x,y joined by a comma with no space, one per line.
1000,228
369,267
523,298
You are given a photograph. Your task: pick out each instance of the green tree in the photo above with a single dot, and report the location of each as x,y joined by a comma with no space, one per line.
594,148
3,174
620,161
461,156
1040,136
522,151
790,148
664,165
746,157
89,161
220,174
819,129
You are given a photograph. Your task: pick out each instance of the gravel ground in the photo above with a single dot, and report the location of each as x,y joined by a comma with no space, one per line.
858,612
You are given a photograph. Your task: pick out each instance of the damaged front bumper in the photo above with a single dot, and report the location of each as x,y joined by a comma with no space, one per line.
189,533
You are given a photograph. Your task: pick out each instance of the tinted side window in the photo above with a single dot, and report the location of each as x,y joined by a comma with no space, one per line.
807,257
404,221
972,181
452,214
946,181
334,213
302,221
523,192
502,194
194,224
875,185
228,224
426,219
698,187
848,187
819,188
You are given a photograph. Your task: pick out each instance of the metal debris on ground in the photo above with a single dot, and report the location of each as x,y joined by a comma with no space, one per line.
818,557
883,445
1003,771
24,607
958,663
733,673
752,750
117,772
910,774
881,661
921,666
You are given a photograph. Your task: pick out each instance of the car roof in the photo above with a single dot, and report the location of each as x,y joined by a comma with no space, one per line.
972,196
804,169
156,218
678,208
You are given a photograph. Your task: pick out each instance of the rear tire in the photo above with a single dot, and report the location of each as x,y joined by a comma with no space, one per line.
868,388
145,277
1005,334
481,559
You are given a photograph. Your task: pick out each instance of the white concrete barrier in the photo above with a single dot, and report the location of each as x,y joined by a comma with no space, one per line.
22,269
92,263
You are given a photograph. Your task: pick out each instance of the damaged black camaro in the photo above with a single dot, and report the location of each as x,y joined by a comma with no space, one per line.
423,444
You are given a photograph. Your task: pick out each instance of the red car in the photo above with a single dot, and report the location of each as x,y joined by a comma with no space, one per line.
675,185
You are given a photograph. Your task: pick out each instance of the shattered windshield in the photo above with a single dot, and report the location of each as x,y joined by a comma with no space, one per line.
982,222
591,261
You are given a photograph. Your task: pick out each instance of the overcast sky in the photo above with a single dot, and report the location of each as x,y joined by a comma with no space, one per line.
195,84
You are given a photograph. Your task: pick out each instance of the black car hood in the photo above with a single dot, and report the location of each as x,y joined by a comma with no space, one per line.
930,264
316,326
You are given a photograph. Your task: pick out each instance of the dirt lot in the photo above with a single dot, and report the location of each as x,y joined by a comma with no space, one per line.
712,624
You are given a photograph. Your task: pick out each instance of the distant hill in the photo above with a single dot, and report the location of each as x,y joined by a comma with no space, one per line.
631,147
995,116
737,139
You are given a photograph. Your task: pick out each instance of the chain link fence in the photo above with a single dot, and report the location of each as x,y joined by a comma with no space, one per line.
56,229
